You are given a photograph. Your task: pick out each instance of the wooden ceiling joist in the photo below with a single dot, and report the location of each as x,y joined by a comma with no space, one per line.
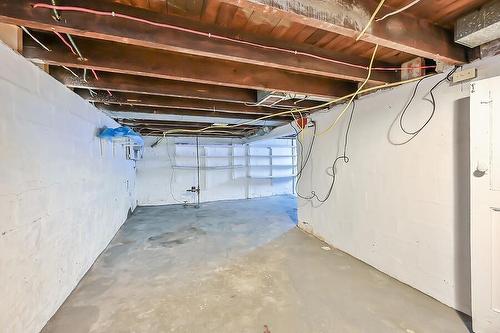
156,101
165,128
402,32
191,131
153,86
126,59
165,125
183,112
160,128
180,125
146,132
110,28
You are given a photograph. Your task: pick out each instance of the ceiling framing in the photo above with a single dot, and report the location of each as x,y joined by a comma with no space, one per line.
208,58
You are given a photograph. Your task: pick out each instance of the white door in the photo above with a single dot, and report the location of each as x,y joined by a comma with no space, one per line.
485,204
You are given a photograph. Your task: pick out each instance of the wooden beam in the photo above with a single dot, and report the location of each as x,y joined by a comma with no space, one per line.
117,29
12,36
402,32
220,132
181,112
160,127
188,126
153,86
173,102
157,133
125,59
176,126
145,129
164,125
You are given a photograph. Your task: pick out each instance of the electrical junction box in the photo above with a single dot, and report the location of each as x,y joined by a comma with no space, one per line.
467,74
266,98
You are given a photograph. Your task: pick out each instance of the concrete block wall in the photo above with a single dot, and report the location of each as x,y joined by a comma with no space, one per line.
400,207
63,192
169,169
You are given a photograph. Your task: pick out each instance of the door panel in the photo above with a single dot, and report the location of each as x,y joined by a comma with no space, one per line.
485,205
495,143
495,275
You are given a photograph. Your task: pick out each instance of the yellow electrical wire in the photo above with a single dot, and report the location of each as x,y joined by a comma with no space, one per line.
312,108
203,130
402,9
354,95
371,20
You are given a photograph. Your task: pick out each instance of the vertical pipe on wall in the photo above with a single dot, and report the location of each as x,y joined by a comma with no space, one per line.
198,169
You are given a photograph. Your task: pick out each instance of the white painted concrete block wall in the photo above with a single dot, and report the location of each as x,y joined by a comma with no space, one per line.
159,184
403,209
62,199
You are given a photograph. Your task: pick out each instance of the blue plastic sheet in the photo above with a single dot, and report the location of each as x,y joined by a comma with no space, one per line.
121,132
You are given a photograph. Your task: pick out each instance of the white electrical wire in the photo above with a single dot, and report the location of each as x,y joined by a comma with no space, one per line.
69,70
35,39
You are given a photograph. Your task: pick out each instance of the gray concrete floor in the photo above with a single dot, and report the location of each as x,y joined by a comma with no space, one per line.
237,266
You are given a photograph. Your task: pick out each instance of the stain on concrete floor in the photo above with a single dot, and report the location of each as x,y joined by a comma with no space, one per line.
238,266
